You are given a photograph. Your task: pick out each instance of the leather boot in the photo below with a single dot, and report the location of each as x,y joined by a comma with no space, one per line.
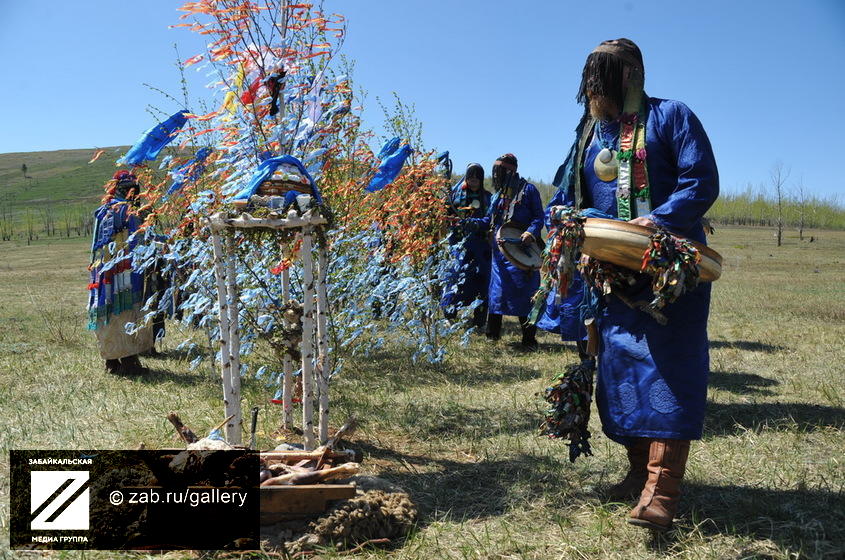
667,461
634,481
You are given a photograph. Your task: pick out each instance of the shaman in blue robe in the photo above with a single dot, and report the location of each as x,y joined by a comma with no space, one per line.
468,277
511,289
652,379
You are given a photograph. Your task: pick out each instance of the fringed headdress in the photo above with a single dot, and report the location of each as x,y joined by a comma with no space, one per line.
615,69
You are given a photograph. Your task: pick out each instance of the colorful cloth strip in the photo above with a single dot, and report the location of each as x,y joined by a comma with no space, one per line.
672,263
563,250
632,181
568,415
113,286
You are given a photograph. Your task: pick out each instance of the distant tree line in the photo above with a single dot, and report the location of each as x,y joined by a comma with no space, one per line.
760,207
31,222
777,204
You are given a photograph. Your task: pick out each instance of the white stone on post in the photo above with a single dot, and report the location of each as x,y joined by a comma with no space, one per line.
307,343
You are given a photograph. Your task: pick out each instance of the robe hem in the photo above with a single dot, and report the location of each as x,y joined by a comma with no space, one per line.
626,437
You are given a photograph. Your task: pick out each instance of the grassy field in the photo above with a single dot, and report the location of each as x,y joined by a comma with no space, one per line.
767,480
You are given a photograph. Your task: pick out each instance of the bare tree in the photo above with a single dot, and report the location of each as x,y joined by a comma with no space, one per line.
7,219
778,177
801,202
48,219
31,233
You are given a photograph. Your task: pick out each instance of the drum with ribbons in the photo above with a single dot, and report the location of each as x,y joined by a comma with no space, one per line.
524,256
623,244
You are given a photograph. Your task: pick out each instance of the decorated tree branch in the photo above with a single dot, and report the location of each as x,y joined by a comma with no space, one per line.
255,250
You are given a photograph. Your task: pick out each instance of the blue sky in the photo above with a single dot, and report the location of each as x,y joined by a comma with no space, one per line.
486,77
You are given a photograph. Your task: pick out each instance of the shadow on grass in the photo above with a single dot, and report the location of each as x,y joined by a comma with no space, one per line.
488,488
747,345
449,420
731,418
810,523
742,383
184,354
548,346
155,376
394,366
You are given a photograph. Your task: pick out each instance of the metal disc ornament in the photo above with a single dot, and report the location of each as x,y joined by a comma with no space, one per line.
605,165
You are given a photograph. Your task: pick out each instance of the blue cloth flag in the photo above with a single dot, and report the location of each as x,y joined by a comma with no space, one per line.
389,168
155,139
389,148
265,170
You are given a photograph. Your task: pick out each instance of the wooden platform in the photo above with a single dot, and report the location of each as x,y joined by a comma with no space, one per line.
279,503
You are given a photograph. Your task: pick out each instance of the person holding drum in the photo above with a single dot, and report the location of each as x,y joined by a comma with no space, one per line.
469,277
648,161
516,205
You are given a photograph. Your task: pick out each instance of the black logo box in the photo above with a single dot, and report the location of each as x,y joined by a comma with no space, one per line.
206,500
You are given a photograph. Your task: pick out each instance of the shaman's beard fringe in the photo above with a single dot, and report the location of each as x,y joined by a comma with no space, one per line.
603,76
603,107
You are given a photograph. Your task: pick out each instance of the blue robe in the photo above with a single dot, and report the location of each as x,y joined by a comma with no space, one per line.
511,289
652,379
468,277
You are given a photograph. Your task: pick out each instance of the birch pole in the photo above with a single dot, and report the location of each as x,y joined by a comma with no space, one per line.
287,363
223,314
307,343
323,365
234,427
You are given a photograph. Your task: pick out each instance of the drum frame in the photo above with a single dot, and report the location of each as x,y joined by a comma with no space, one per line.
502,247
630,242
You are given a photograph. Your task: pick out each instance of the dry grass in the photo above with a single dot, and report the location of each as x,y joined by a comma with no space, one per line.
765,482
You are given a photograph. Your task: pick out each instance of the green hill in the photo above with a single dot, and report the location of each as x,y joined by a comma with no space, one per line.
59,176
56,194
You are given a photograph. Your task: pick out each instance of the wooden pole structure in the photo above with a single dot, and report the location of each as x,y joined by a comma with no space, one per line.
307,343
287,362
223,314
323,365
234,427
